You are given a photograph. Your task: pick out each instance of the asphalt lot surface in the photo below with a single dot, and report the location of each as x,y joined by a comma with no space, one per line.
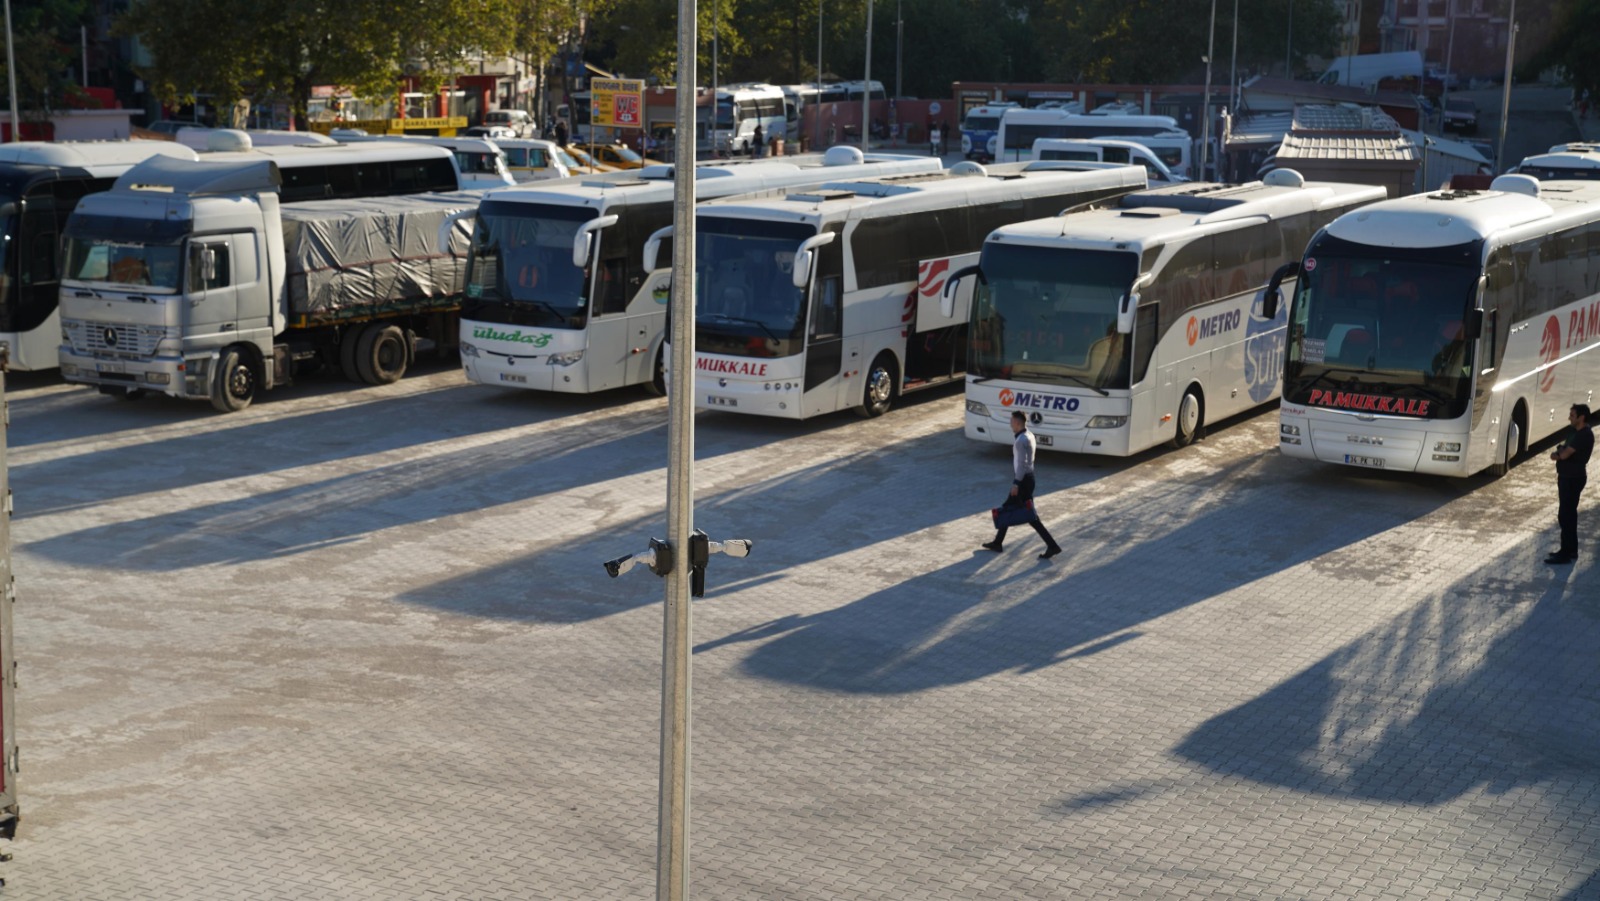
358,643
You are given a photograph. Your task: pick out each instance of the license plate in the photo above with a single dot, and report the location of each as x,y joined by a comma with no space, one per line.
116,368
1353,460
513,378
714,401
1046,440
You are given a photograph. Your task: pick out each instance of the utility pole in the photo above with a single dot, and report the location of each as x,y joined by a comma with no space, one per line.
1205,108
11,77
866,89
1505,98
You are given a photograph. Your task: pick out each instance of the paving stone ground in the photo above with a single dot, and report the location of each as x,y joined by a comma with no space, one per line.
357,644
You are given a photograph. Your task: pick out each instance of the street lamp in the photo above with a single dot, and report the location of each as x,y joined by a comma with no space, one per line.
1205,106
11,77
866,88
1505,97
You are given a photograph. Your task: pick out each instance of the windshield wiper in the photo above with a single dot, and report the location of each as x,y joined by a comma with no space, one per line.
560,317
1045,374
1330,371
721,318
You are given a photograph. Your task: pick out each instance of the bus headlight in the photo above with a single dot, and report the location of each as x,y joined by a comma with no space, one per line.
978,408
1447,447
1286,429
1107,422
566,359
468,350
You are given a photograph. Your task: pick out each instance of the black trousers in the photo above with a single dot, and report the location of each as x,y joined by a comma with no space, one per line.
1567,490
1024,494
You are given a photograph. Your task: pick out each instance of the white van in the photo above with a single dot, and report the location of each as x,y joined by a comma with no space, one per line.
1367,69
1105,150
532,159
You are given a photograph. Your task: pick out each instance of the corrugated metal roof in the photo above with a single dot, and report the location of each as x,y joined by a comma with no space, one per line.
1334,146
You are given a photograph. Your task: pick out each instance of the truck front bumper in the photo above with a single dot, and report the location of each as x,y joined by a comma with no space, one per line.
185,377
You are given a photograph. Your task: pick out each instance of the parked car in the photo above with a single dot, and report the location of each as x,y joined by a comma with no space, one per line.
1461,114
617,156
586,162
488,131
520,123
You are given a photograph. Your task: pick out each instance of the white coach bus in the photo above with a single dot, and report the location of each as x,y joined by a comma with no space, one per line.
1563,162
830,298
536,316
1443,333
1117,329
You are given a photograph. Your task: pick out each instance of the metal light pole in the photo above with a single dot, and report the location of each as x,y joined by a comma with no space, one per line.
1288,46
1505,98
1449,51
11,77
899,45
1233,64
1205,107
819,72
672,835
866,89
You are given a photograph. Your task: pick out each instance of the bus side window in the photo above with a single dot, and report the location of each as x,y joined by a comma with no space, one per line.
825,318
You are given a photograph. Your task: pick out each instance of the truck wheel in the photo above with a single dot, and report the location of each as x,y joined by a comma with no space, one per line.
347,352
381,354
234,384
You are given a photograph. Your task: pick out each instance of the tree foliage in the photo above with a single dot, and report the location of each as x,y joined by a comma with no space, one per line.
45,39
1569,39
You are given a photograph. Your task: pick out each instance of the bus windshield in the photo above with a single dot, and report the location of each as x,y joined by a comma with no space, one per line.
745,294
1382,325
520,271
1049,314
149,268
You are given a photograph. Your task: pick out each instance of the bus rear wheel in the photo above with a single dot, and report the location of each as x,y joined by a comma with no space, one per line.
1191,418
881,389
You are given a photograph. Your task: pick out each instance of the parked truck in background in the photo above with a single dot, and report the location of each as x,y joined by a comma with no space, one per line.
193,280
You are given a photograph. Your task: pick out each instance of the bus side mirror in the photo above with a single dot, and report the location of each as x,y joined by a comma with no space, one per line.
1474,324
583,241
947,297
1274,295
805,257
208,264
1130,304
652,247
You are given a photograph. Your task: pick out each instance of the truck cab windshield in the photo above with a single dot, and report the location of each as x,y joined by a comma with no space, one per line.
520,270
145,268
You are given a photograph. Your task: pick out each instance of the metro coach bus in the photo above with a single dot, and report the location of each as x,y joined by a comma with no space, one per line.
1117,329
1443,333
829,299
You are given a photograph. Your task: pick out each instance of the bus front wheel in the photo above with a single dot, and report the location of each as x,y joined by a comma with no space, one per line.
880,391
1514,448
657,386
1191,418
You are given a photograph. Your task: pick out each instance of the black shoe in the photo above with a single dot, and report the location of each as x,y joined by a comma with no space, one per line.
1049,552
1559,559
992,546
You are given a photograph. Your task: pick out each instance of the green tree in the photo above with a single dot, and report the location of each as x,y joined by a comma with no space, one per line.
45,39
1570,41
239,48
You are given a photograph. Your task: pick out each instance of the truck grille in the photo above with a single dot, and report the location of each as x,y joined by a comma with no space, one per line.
106,338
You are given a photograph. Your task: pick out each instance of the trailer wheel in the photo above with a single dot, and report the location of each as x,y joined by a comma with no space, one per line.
347,352
881,388
381,354
1191,417
235,382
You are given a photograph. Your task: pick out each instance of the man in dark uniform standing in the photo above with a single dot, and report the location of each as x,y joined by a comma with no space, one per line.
1022,453
1572,473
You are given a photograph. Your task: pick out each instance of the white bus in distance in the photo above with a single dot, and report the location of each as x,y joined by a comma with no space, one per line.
480,161
1563,162
1444,333
1019,128
1118,329
980,131
1107,150
538,316
739,110
828,299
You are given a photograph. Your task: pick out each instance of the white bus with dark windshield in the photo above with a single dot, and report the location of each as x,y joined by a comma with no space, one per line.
738,111
828,299
1563,162
1115,330
1444,333
559,293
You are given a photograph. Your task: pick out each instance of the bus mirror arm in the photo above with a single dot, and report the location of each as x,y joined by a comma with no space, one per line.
806,254
583,241
652,247
1274,292
947,297
1474,324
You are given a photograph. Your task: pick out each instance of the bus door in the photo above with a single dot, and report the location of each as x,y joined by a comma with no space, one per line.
38,288
618,342
825,327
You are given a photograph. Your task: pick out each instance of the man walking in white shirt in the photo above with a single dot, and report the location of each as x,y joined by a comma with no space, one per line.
1022,453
